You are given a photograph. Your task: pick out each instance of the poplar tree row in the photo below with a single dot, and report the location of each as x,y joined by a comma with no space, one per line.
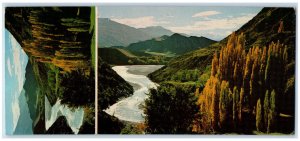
244,88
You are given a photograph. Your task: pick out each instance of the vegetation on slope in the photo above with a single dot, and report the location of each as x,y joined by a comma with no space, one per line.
110,93
120,56
175,44
260,31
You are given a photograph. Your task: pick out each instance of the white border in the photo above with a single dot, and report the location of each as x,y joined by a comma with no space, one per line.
147,2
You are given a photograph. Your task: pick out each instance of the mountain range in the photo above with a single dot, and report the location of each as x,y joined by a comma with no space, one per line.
112,33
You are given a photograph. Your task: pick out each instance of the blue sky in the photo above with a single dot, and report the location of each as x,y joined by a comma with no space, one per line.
212,22
15,64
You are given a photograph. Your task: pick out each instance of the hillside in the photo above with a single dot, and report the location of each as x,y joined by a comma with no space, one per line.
112,33
260,31
109,93
120,56
174,44
116,56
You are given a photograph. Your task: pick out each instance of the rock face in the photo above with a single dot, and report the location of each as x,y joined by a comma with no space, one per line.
58,41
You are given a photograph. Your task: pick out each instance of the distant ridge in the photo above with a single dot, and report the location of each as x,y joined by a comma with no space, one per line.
112,33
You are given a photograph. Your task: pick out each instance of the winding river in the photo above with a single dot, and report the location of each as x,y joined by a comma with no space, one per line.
129,109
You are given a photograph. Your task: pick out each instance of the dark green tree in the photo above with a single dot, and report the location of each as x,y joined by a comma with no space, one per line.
259,123
170,110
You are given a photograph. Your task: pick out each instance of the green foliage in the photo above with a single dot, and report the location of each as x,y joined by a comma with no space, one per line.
259,119
225,106
121,56
175,44
199,59
186,75
131,129
266,110
170,110
76,88
272,115
235,107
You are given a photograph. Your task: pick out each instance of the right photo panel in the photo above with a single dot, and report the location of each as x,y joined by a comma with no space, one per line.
196,70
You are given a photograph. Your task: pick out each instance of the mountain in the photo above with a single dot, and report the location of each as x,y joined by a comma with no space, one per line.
112,33
175,44
24,125
156,31
259,31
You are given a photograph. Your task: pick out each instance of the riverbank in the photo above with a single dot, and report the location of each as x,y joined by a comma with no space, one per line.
129,109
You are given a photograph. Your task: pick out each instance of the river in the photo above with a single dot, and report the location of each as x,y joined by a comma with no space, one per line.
129,109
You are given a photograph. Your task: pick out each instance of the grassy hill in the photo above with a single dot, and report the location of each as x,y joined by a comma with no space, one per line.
175,44
120,56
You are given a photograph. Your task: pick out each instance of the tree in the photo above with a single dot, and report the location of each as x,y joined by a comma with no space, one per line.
272,113
77,88
214,66
170,110
235,107
225,106
259,123
249,76
266,109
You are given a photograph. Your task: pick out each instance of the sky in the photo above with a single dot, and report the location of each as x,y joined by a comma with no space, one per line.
15,65
212,22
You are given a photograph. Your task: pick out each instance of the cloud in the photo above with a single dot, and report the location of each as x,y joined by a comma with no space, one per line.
170,16
229,24
140,22
205,14
15,112
19,57
9,67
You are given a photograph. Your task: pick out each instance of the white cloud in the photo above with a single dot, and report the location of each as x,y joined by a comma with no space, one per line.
9,67
229,24
140,22
17,61
205,14
170,16
15,112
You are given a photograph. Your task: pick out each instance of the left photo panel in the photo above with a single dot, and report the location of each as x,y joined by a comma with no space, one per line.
50,70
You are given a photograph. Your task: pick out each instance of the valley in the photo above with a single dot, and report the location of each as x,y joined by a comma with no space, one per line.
206,86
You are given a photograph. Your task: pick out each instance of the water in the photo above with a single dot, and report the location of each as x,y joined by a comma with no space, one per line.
74,116
128,109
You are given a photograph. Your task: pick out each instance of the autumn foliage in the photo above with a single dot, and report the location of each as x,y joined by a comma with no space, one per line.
244,87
